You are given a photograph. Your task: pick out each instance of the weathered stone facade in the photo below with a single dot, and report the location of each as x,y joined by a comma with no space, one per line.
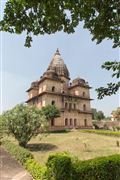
73,99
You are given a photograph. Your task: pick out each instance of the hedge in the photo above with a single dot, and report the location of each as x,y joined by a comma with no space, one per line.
59,167
62,167
102,132
25,157
37,171
102,168
21,154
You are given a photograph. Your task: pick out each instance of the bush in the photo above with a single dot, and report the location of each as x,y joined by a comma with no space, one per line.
59,167
26,159
36,170
117,128
103,168
63,167
60,131
102,132
21,154
24,122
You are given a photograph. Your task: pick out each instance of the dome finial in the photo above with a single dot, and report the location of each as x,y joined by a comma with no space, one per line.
57,51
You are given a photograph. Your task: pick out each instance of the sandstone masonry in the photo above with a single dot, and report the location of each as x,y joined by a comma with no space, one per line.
73,99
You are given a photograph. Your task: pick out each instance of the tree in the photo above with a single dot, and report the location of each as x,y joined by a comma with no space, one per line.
100,115
94,113
100,17
41,17
97,115
24,122
111,88
50,112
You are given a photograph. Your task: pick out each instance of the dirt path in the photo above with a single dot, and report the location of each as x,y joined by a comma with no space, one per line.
10,169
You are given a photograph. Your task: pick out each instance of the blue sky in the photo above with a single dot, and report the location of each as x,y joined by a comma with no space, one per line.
21,65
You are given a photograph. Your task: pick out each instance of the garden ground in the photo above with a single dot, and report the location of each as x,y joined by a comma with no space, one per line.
83,145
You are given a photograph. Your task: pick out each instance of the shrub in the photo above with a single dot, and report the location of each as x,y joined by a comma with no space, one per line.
24,122
60,131
102,168
36,170
63,167
21,154
102,132
26,159
59,167
97,169
117,128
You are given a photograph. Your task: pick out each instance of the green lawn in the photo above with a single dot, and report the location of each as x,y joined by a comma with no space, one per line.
83,145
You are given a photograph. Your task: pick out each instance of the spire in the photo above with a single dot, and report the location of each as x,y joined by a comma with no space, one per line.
58,66
57,52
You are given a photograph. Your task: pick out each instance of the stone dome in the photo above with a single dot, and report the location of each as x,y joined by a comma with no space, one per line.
58,66
50,73
78,80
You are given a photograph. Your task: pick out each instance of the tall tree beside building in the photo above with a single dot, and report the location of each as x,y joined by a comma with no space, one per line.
97,115
50,112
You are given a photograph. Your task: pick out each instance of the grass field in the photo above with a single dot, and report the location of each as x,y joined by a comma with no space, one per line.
83,145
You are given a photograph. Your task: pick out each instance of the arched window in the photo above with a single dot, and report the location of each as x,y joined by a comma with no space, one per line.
33,102
66,105
75,122
53,89
83,94
66,122
71,122
53,102
84,107
70,105
74,106
85,122
52,122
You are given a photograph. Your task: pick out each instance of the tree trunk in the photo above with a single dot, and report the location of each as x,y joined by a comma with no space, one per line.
23,144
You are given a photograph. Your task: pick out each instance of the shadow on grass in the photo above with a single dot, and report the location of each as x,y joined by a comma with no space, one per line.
41,147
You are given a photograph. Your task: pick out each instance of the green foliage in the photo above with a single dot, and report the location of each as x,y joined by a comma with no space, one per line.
118,143
103,132
102,168
111,88
117,128
24,122
35,169
97,115
26,159
50,112
37,17
60,131
46,17
21,154
2,128
59,167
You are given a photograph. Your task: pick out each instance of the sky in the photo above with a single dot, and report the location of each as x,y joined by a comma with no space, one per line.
20,65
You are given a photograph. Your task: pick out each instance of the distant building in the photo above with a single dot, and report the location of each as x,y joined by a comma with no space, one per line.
113,118
73,99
